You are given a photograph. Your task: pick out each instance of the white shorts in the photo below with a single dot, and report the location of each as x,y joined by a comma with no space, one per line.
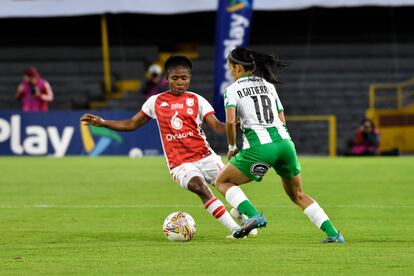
207,168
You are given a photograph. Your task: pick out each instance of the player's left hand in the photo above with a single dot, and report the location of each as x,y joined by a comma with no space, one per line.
231,153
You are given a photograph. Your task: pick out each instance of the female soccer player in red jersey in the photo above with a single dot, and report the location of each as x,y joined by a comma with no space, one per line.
180,114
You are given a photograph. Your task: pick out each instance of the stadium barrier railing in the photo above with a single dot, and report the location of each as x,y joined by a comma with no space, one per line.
330,119
391,107
401,94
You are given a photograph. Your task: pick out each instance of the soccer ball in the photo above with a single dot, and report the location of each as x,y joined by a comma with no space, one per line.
179,226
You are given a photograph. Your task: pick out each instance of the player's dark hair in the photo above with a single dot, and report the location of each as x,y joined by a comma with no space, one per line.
263,65
174,61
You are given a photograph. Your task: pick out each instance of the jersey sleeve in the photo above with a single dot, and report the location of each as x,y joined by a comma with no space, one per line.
204,106
279,105
148,108
229,99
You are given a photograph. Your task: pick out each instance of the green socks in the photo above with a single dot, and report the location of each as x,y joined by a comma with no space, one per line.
247,208
318,216
329,229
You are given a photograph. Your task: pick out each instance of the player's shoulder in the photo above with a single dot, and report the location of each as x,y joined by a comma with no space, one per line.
232,89
194,95
242,82
163,96
233,86
270,86
191,93
156,98
265,82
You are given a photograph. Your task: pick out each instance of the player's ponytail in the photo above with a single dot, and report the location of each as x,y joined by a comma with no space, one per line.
262,65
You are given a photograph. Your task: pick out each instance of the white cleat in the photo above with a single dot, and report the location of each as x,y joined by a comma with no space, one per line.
242,218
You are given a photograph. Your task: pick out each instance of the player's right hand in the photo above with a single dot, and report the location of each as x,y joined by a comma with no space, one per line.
231,153
91,119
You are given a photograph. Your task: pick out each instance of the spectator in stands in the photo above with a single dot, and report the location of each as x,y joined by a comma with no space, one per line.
34,92
366,140
155,83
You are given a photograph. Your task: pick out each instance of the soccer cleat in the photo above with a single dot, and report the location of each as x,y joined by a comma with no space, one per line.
231,237
242,218
338,239
256,221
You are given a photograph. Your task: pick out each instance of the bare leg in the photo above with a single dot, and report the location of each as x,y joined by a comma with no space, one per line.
311,208
227,183
198,186
294,190
230,177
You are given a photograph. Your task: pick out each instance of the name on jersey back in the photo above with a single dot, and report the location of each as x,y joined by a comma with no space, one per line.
251,91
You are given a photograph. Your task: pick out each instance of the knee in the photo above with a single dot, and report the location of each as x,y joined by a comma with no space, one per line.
222,185
199,188
219,183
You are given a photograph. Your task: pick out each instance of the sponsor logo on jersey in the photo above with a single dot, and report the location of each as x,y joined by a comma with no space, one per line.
178,136
259,169
164,104
248,79
189,102
176,122
190,111
177,106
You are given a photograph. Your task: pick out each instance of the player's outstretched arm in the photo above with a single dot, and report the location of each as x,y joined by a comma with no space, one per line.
121,125
214,123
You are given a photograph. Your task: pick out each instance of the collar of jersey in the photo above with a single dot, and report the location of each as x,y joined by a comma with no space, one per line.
246,76
169,91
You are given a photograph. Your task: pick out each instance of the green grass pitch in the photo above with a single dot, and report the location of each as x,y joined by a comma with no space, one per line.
101,216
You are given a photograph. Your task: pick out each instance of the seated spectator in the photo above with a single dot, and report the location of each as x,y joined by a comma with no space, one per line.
34,92
366,140
155,83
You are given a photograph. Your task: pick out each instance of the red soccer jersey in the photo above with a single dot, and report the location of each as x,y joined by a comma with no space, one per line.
179,121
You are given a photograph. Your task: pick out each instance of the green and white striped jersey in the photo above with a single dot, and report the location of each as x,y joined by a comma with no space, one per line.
257,105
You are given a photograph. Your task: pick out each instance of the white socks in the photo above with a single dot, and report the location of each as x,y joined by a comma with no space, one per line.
216,208
316,214
235,196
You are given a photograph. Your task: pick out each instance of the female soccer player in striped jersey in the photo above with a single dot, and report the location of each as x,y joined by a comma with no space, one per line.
180,114
266,142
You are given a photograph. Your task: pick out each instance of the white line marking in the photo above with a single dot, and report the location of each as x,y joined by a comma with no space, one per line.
147,206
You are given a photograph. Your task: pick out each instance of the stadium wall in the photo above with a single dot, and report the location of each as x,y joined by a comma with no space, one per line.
61,133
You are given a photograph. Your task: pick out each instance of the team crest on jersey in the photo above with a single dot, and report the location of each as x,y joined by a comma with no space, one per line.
259,169
190,111
176,122
189,102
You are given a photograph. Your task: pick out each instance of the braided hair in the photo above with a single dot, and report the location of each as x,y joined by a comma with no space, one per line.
174,61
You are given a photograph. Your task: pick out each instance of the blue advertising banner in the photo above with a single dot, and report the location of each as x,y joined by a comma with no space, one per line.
232,31
61,133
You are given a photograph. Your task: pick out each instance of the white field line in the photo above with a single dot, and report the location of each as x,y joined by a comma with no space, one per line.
147,206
